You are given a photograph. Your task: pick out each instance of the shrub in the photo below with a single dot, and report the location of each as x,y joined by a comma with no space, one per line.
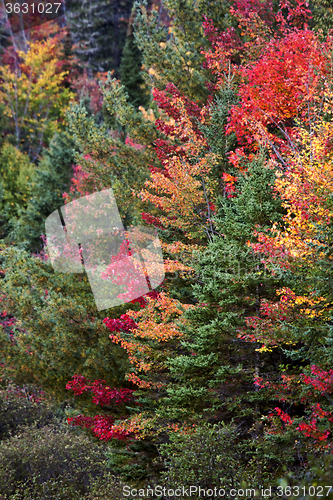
107,487
48,461
315,480
209,457
18,408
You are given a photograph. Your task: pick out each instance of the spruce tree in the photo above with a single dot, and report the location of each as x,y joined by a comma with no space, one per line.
214,372
127,168
51,181
130,73
17,175
98,29
172,51
4,34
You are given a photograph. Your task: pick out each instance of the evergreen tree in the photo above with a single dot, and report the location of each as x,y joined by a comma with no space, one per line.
130,73
98,29
4,32
216,367
174,53
17,175
127,167
51,181
212,375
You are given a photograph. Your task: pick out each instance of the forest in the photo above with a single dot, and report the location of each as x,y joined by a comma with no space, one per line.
212,123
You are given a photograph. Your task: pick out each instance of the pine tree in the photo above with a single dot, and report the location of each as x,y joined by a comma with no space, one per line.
84,25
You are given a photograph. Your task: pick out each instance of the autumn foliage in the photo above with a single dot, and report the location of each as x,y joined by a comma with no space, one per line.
237,181
101,425
284,99
33,92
